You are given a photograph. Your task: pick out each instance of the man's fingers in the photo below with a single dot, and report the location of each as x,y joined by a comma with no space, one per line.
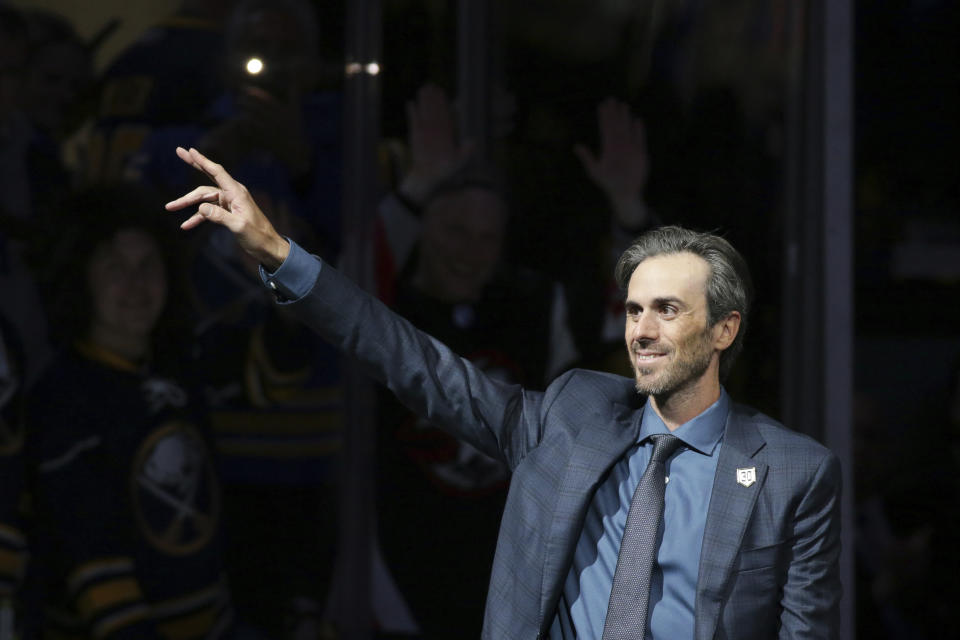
192,221
184,155
211,212
193,158
214,213
198,195
213,170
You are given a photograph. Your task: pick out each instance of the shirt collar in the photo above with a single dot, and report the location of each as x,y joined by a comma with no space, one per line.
701,434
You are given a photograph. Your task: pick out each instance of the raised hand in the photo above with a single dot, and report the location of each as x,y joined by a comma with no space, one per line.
229,204
435,152
622,166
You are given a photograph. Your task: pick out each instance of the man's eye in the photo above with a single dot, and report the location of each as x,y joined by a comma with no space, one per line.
667,310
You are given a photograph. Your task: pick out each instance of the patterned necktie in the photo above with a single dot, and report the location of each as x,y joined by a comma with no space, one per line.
627,609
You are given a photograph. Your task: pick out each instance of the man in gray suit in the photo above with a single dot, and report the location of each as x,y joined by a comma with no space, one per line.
749,540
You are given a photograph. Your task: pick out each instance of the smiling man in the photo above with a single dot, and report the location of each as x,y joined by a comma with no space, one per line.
679,328
646,508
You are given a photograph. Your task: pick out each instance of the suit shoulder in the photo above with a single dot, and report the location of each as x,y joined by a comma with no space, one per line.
782,439
594,394
599,385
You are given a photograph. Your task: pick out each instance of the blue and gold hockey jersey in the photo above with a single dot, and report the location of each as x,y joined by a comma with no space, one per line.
128,504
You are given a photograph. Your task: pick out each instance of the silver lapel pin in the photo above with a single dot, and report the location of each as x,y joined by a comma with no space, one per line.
747,476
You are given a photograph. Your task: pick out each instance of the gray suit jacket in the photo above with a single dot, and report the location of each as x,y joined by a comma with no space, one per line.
768,566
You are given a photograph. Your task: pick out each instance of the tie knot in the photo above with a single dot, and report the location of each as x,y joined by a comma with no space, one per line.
663,446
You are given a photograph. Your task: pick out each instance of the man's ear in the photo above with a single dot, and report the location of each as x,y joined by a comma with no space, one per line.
725,331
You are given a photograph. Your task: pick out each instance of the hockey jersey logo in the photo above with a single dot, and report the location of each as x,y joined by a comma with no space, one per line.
175,492
160,393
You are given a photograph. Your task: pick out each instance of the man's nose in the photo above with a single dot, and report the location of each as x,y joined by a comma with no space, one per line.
646,328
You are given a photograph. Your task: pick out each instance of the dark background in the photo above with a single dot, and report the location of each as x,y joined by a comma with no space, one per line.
711,81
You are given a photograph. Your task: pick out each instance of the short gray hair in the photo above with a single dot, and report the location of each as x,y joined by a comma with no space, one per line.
729,286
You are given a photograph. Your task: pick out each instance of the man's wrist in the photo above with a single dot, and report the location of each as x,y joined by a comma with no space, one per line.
295,276
276,254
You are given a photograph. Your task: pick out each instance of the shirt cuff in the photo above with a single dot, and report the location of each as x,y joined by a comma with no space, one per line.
295,277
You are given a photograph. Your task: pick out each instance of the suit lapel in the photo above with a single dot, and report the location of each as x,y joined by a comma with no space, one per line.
596,449
731,505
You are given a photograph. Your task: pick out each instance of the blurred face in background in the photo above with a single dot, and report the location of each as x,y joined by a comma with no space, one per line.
460,244
127,278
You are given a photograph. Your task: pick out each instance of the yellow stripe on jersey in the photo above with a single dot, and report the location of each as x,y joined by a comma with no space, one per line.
97,598
98,569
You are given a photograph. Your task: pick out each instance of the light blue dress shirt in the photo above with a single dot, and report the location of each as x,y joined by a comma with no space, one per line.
295,277
582,609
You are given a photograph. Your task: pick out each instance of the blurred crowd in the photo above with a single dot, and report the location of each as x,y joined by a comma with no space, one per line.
170,440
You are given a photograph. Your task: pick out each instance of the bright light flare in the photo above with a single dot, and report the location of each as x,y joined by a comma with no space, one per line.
369,68
254,66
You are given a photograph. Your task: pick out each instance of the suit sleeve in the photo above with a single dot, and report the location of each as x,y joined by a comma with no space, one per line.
501,420
811,595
